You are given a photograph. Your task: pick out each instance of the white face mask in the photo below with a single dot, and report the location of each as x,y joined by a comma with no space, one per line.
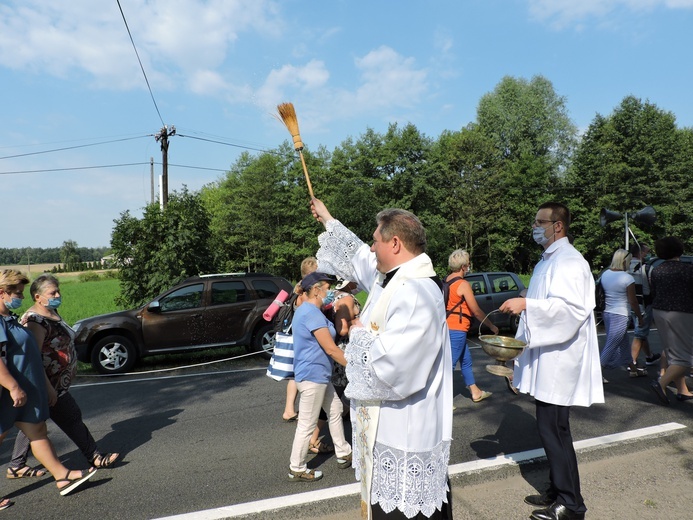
539,235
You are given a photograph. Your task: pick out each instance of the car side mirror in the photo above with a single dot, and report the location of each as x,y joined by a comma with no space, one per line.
155,306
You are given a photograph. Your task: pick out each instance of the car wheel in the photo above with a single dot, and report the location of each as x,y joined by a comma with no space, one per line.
113,355
263,341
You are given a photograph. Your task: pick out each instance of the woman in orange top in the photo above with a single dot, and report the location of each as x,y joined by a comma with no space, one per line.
461,305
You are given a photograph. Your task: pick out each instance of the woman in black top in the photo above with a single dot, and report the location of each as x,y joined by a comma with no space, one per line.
672,304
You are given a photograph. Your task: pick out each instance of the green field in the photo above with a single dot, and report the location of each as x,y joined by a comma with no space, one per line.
82,299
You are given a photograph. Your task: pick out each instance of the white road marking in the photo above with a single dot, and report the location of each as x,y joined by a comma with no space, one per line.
318,495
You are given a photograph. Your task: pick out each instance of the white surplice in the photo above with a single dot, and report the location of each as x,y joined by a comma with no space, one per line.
561,364
400,370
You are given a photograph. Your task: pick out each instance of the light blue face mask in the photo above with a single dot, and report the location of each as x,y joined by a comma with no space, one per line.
54,303
13,304
329,297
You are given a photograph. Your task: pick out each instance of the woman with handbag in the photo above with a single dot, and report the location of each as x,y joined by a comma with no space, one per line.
314,350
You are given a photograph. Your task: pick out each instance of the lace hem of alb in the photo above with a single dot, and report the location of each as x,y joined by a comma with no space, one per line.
364,384
338,246
413,482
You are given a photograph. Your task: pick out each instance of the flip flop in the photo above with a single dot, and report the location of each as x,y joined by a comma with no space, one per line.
5,503
291,419
484,395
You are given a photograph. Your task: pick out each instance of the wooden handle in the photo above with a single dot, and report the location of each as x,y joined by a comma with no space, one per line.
305,173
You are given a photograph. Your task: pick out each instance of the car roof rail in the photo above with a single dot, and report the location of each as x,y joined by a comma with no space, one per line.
220,274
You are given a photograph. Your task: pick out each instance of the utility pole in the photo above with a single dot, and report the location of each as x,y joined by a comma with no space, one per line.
163,136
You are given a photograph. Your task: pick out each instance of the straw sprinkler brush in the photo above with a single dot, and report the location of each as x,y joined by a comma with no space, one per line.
287,114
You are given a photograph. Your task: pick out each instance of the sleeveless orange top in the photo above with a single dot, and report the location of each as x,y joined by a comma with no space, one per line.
456,321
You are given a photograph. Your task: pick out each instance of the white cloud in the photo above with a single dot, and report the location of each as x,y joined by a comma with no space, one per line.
304,80
173,37
562,13
389,80
386,82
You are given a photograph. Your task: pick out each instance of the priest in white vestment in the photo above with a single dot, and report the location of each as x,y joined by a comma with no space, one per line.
398,366
560,368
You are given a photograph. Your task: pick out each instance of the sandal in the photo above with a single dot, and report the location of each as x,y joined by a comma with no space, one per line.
28,472
511,387
483,395
320,447
104,461
5,503
74,483
309,475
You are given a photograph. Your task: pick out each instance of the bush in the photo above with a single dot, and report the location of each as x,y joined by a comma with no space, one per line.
89,277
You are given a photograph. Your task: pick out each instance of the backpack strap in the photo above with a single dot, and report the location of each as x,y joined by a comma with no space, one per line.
458,304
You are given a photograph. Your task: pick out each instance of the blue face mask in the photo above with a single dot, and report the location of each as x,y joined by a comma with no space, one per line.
54,303
329,297
14,303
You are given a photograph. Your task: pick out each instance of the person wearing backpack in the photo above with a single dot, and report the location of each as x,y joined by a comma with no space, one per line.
460,305
639,265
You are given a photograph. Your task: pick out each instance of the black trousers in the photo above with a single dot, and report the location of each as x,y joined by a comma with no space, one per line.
68,417
445,514
553,422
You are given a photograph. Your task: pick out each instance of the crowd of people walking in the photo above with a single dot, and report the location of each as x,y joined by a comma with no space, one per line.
395,369
389,364
37,367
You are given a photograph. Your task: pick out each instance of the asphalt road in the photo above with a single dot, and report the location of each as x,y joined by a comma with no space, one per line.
204,438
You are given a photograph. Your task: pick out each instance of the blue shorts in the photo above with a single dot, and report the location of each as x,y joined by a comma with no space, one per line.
644,331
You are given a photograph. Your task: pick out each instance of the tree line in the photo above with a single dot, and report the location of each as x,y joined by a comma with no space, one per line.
52,255
475,188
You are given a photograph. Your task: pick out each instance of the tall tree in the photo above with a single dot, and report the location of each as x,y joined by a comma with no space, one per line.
633,158
260,212
162,248
69,255
528,124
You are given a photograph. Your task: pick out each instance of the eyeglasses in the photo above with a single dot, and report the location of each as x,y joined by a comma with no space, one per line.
540,222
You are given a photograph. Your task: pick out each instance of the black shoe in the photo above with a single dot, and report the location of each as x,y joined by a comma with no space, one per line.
545,499
681,397
556,512
661,394
652,359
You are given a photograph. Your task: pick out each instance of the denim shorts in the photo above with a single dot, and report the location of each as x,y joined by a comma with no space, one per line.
644,331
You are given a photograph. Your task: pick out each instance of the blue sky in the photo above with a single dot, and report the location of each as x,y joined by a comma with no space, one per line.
69,78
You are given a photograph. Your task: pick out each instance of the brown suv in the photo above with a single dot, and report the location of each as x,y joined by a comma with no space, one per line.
201,312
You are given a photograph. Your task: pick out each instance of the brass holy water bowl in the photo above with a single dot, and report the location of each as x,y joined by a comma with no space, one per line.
500,348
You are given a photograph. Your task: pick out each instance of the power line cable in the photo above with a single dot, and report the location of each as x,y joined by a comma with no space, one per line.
224,143
73,147
197,167
76,168
140,61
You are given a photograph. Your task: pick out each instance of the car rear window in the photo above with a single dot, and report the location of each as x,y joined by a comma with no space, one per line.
265,288
228,292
